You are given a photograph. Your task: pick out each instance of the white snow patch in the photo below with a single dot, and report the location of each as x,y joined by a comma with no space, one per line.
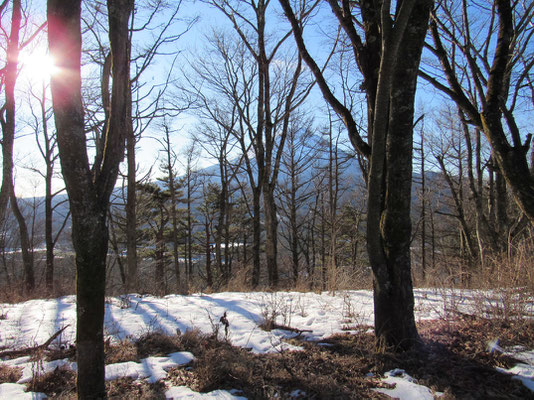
36,368
14,391
315,316
406,388
523,371
183,392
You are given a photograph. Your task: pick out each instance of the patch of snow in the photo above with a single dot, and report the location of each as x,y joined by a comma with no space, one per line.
157,367
406,387
316,316
14,391
127,369
183,392
522,372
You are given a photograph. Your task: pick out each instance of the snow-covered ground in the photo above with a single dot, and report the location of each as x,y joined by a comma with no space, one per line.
317,316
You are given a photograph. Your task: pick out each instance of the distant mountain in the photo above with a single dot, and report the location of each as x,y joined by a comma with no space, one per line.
351,175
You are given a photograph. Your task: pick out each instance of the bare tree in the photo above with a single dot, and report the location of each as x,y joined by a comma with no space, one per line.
7,121
89,187
388,59
47,144
486,74
269,88
296,187
191,155
146,104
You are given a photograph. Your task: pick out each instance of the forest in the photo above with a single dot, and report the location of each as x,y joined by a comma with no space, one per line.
162,148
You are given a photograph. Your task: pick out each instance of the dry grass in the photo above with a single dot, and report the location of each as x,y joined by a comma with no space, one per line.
60,383
454,358
140,390
124,351
317,372
9,374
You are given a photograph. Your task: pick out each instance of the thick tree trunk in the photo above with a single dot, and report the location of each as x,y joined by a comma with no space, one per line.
89,189
390,127
90,240
512,162
7,193
390,180
8,119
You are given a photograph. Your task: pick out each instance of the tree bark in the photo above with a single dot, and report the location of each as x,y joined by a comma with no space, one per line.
88,188
391,134
271,234
256,236
511,157
7,192
132,280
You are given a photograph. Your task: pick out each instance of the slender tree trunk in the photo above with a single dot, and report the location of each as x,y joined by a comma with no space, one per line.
271,235
49,211
7,193
25,244
423,212
160,285
189,238
220,234
49,274
209,274
132,283
293,240
256,239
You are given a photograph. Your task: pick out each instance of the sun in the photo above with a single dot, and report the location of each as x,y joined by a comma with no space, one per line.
37,66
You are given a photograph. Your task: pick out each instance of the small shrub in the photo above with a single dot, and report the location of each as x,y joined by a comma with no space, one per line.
157,343
124,351
60,382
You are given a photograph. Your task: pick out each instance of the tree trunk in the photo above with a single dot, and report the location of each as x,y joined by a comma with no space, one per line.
7,193
189,238
390,179
89,188
209,275
256,237
293,239
132,282
271,235
160,285
25,244
49,274
90,240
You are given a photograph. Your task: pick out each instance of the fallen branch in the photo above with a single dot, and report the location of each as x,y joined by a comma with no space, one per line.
34,349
